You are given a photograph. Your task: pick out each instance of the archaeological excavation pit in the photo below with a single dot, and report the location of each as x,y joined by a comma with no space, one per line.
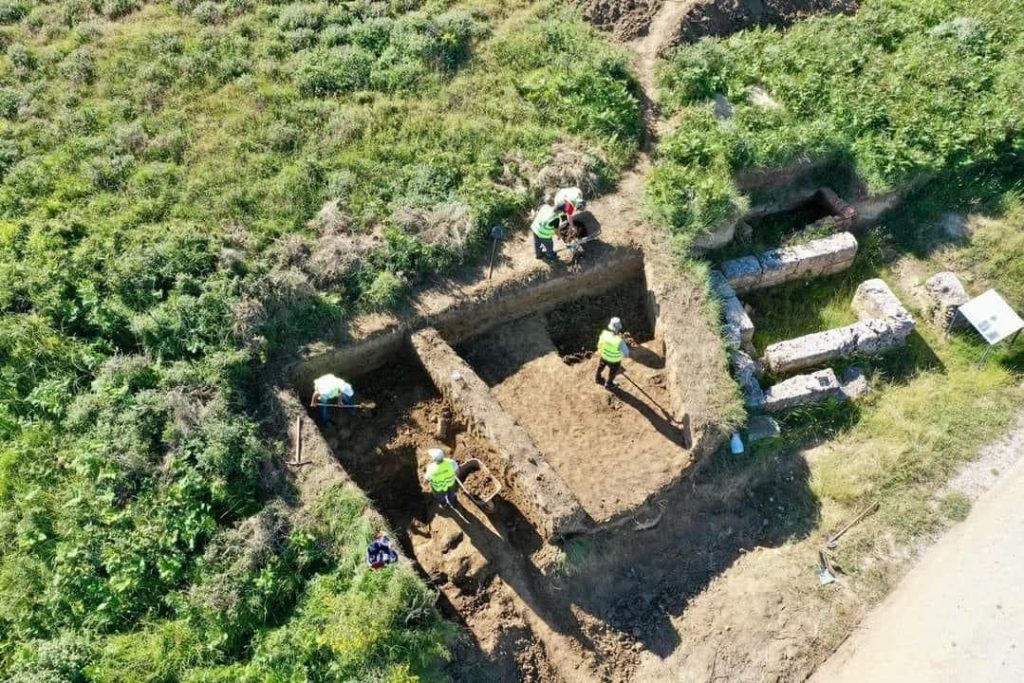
509,379
614,449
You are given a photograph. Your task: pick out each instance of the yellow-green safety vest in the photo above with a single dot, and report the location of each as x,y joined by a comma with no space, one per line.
609,346
444,476
545,229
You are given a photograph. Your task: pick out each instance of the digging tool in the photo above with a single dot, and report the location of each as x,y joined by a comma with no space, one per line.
358,406
497,234
298,445
650,398
833,540
825,576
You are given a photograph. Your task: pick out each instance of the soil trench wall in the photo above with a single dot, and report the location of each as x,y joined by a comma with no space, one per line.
469,318
668,309
550,505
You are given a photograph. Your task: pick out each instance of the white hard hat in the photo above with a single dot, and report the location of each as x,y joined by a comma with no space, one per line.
436,454
615,325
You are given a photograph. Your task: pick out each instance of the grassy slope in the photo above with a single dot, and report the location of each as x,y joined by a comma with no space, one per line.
901,91
159,167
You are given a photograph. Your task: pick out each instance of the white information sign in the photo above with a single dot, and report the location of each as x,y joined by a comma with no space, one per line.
992,317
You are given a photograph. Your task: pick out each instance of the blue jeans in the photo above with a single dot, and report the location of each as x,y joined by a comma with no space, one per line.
543,248
325,414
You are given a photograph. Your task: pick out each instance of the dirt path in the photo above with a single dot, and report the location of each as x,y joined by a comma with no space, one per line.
958,615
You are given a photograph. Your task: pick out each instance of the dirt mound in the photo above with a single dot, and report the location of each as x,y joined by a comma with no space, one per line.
630,19
721,18
571,166
626,19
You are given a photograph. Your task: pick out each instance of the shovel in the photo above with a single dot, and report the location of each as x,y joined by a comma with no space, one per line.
825,577
833,540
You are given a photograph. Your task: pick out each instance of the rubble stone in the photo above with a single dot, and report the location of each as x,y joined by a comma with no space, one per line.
947,294
716,239
736,315
745,369
803,390
763,427
743,274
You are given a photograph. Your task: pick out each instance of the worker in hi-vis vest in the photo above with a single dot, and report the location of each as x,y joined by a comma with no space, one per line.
329,388
442,474
544,226
611,350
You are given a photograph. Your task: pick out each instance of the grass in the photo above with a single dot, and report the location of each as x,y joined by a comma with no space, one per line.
932,407
189,190
897,93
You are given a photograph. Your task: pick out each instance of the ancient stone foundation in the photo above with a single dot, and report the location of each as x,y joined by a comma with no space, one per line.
884,325
776,266
802,390
549,503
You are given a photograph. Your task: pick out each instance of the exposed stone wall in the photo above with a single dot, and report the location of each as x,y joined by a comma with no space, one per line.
771,268
745,369
884,325
550,504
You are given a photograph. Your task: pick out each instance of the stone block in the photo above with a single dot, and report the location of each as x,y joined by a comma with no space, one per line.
745,369
867,337
717,238
719,285
811,349
946,294
743,274
874,299
763,427
855,383
803,390
735,314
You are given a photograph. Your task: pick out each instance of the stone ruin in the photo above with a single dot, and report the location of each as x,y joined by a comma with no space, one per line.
884,324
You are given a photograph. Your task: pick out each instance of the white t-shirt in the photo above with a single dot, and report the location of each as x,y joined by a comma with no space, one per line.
330,386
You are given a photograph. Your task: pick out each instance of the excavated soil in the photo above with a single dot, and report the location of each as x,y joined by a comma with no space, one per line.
630,19
720,18
613,600
614,448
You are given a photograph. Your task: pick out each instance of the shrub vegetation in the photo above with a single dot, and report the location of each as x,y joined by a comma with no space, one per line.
898,92
188,189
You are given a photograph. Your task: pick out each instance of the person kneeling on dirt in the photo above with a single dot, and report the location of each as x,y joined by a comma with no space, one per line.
611,350
329,388
379,552
544,226
442,474
568,201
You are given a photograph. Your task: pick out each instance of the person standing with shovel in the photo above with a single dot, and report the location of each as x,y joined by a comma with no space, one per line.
611,350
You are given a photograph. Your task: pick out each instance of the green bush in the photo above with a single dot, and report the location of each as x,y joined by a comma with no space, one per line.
898,91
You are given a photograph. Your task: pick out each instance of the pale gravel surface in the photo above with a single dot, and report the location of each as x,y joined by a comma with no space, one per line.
958,615
982,473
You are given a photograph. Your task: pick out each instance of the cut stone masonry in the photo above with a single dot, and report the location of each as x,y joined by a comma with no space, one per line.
548,502
885,324
802,390
771,268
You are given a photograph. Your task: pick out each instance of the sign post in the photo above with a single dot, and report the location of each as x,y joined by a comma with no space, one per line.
993,318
